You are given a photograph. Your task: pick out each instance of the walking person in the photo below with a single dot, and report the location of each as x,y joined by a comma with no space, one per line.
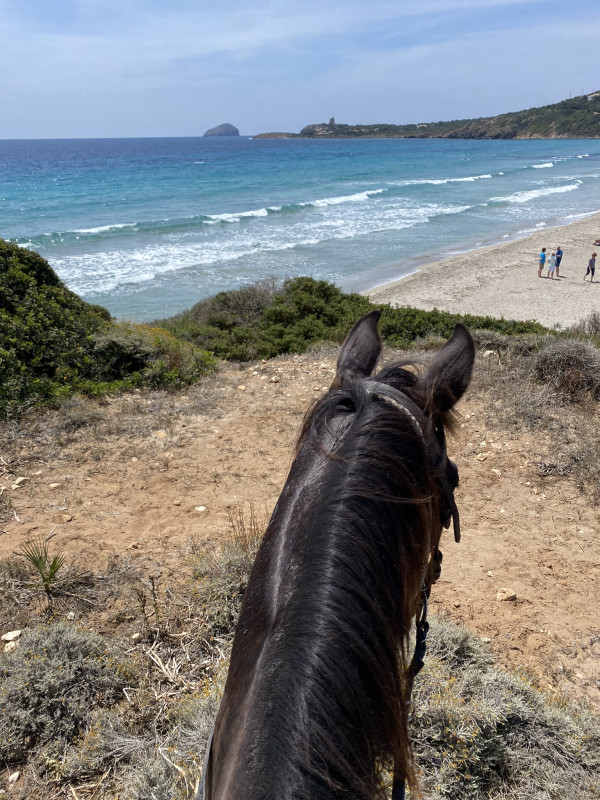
551,265
559,255
591,268
541,262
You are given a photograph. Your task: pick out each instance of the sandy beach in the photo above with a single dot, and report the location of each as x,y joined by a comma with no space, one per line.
502,280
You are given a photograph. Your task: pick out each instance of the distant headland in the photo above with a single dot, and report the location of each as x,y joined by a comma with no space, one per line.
575,118
226,129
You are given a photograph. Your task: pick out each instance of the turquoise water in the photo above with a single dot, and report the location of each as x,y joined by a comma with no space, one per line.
147,227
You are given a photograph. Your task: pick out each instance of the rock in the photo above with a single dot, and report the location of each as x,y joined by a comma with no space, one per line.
200,508
54,485
275,379
506,594
14,777
241,388
10,636
176,502
10,646
71,615
136,637
226,129
60,519
134,546
161,434
496,471
486,640
481,456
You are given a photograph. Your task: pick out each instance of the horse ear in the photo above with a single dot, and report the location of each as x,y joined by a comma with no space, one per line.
448,375
359,352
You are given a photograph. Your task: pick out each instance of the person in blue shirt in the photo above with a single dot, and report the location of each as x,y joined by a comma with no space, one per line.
541,262
559,255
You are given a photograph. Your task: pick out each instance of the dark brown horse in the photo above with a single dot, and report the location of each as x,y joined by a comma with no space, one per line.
316,698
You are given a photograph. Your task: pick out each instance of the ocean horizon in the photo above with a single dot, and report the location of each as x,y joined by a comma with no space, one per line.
147,227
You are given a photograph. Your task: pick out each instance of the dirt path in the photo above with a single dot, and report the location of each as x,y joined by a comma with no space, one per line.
150,474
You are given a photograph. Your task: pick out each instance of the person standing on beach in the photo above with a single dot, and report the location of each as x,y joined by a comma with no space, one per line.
559,255
551,265
541,262
591,268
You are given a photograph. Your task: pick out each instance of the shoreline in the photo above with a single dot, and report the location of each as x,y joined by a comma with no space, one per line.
501,280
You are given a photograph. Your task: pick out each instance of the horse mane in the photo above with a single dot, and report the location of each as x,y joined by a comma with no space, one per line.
365,539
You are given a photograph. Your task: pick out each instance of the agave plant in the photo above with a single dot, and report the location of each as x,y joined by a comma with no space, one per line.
36,552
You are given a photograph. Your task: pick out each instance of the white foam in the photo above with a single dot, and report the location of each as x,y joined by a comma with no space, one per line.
533,194
104,228
359,197
543,166
236,217
440,181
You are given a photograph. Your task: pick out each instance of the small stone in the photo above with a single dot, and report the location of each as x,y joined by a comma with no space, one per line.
488,353
10,636
60,519
10,646
456,604
496,471
54,485
14,777
486,639
490,574
71,615
200,508
241,388
134,546
275,379
161,434
176,502
134,459
506,594
37,472
481,456
136,637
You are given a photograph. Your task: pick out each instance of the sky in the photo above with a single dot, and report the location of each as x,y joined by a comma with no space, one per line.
119,68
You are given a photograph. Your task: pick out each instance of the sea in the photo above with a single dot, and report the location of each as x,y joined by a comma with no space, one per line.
148,227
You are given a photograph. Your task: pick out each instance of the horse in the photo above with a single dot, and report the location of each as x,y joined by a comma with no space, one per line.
317,696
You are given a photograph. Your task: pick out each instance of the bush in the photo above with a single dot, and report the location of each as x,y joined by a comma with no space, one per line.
570,366
51,683
300,312
482,732
53,344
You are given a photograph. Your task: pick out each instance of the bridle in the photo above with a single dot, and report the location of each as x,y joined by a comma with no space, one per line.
438,458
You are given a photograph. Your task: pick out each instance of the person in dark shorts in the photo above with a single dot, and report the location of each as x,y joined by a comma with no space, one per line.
541,262
559,255
591,268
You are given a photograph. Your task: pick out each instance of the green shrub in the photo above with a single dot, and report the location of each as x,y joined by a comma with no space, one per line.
262,322
50,684
53,344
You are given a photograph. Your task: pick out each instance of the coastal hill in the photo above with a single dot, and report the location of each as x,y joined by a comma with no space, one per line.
575,118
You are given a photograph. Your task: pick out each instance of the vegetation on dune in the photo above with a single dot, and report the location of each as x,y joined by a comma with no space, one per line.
270,319
478,730
575,118
53,344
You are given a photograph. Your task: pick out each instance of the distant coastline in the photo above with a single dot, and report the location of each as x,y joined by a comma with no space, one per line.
575,118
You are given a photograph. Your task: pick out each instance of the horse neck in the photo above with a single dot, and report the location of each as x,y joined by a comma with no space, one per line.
328,606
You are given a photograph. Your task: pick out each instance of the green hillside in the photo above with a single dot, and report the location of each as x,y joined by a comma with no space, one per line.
576,118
